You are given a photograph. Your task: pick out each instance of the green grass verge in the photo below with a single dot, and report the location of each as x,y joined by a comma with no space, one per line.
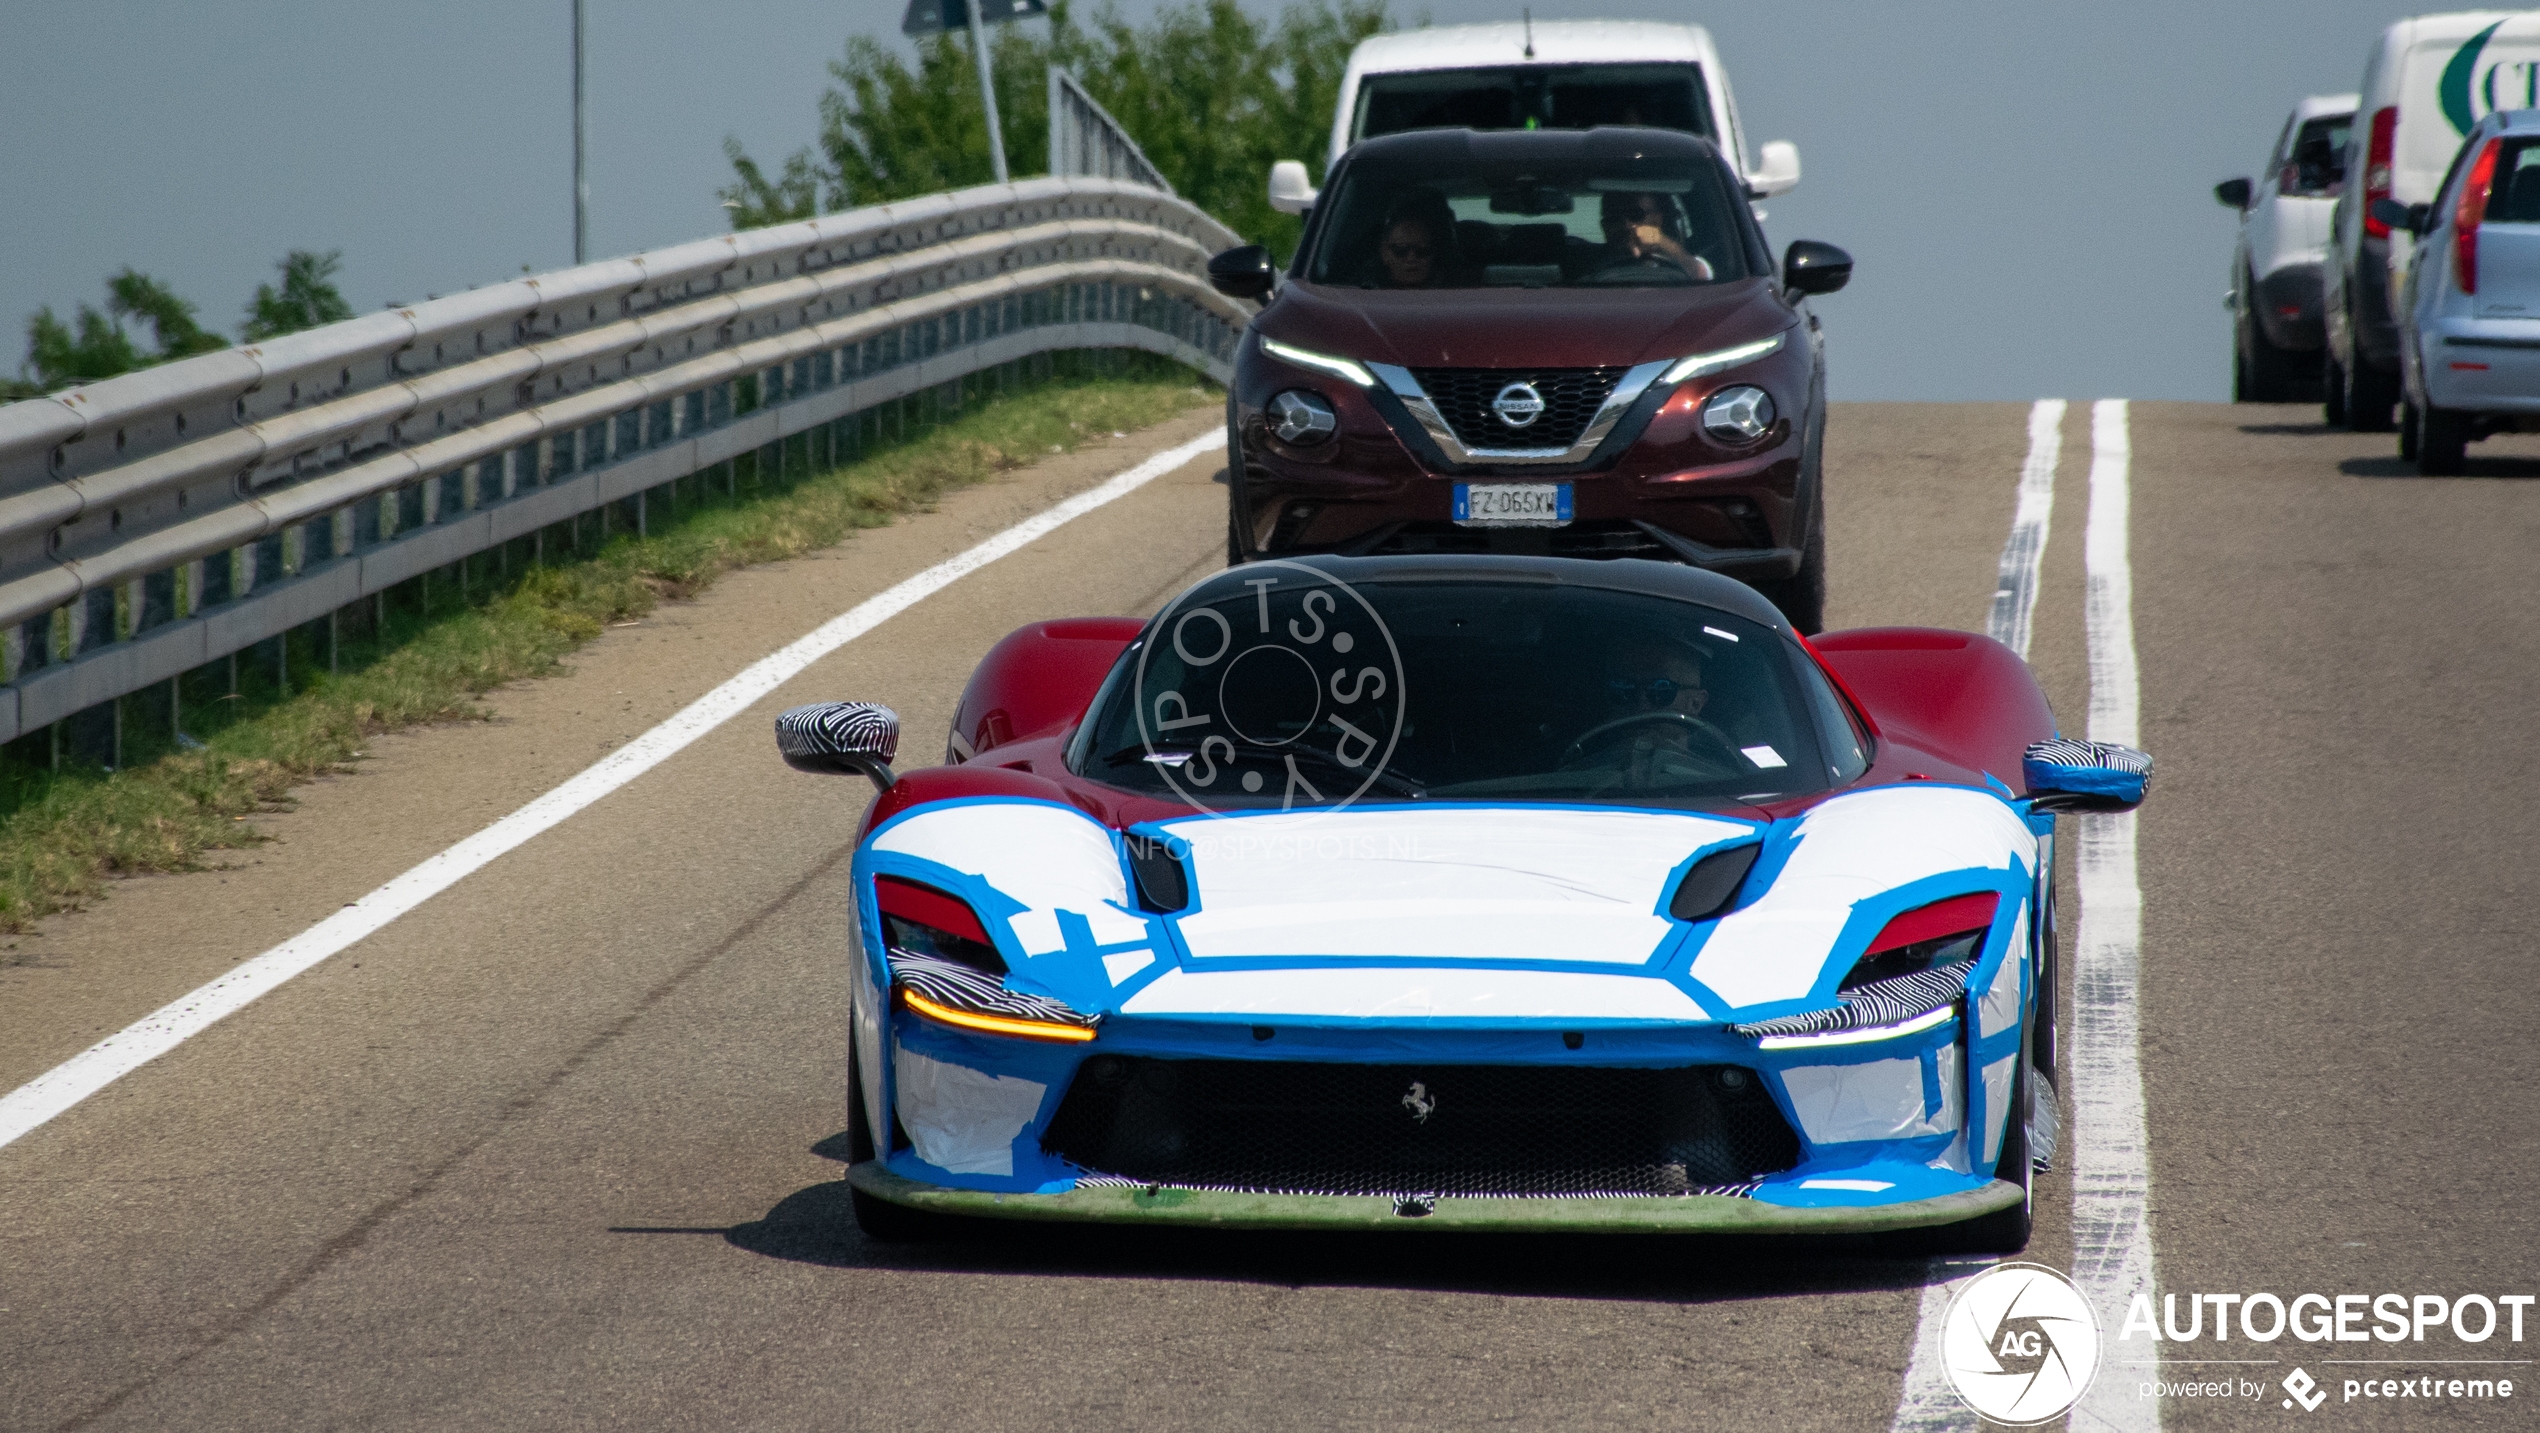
65,832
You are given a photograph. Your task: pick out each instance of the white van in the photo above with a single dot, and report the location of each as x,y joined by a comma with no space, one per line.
2427,81
1564,74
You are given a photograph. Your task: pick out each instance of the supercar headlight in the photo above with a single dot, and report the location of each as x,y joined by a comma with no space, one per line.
1738,415
1338,367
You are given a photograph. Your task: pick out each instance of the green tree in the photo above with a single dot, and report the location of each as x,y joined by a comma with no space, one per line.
97,345
306,299
1211,94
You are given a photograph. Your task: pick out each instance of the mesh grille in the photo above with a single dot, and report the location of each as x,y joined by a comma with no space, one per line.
1571,397
1312,1128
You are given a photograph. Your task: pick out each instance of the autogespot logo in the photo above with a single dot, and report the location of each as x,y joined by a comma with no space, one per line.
2020,1344
1276,683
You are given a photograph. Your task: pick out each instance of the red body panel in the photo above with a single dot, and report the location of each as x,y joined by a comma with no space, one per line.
1950,917
927,906
1038,679
1964,700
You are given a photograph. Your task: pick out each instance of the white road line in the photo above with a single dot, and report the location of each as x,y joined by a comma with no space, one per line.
1928,1404
2112,1157
2015,592
75,1079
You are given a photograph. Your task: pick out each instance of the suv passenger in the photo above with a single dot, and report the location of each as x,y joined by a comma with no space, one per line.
1598,358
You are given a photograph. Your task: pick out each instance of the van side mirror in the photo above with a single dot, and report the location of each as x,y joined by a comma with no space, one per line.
2415,218
1290,191
841,739
1244,273
2101,776
2232,194
1776,169
1809,267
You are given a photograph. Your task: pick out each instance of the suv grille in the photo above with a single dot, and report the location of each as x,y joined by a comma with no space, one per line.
1571,397
1313,1128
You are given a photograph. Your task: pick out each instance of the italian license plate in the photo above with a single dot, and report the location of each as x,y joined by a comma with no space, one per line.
1512,504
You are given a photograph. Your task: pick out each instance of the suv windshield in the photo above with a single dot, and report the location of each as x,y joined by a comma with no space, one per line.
1535,97
1465,690
1662,220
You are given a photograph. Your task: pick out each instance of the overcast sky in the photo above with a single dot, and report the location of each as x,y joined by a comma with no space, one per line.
2027,188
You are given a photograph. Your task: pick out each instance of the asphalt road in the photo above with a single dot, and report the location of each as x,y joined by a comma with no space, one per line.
559,1149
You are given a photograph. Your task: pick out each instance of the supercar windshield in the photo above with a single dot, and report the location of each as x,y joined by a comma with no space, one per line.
1453,217
1267,688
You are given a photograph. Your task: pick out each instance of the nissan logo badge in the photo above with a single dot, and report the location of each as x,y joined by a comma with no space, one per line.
1518,405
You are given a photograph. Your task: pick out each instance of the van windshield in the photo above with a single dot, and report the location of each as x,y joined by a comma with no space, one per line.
1668,96
1530,222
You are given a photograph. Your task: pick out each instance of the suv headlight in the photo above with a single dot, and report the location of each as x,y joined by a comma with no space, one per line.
1721,360
1348,368
1739,415
1301,418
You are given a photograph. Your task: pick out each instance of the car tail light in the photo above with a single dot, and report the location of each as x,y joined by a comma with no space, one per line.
2385,131
2470,213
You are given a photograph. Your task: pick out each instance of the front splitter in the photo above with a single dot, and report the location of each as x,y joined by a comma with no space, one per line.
1220,1209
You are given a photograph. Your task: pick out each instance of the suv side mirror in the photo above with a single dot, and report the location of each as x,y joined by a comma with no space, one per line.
841,739
2102,776
1290,191
2232,194
1813,268
2415,218
1244,273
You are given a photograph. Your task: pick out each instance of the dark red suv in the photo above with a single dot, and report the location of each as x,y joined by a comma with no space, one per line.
1552,342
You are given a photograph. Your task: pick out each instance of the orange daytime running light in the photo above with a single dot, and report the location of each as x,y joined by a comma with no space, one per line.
997,1024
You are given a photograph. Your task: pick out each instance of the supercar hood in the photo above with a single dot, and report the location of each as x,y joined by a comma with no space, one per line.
1452,912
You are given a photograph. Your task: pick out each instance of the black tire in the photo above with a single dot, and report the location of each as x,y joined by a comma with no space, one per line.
860,1146
1238,512
2370,396
888,1223
1802,595
2042,1020
2407,431
2242,390
2442,442
2262,372
2333,391
2004,1231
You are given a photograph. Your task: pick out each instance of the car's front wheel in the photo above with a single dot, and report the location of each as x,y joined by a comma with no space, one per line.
1802,595
2442,441
2333,391
2004,1231
2370,395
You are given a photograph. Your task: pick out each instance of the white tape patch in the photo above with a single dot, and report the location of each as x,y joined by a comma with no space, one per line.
30,1105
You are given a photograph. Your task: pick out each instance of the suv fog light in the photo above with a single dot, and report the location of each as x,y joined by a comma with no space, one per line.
1738,415
1304,419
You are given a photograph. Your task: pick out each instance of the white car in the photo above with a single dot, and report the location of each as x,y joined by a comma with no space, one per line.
1550,74
2276,335
2428,80
2469,319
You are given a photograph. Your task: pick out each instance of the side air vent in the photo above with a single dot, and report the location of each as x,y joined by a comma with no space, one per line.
1710,888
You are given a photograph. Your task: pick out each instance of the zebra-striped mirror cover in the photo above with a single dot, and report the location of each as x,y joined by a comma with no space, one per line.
831,729
2087,768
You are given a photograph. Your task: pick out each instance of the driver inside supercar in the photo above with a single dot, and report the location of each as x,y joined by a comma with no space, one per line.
1559,694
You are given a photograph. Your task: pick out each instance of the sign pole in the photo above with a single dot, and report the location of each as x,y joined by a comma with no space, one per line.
987,89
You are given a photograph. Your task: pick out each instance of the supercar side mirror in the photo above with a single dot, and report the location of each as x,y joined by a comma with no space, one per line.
1244,273
2100,776
841,739
2232,194
1291,192
1813,268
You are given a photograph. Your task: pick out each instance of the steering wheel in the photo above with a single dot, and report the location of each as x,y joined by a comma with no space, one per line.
1710,735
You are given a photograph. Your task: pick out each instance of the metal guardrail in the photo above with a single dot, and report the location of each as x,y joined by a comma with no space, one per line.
1086,142
157,522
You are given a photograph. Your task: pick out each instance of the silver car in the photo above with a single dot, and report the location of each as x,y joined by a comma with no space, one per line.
2276,334
2469,316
